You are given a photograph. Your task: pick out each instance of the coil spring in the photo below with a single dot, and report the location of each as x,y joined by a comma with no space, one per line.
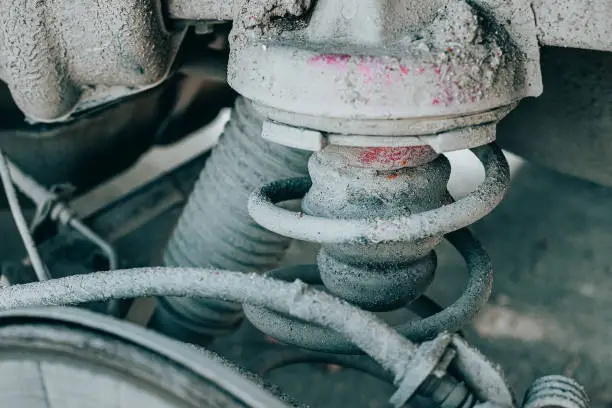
556,392
215,229
378,229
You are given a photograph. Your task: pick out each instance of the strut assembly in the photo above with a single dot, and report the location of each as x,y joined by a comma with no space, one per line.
384,259
379,93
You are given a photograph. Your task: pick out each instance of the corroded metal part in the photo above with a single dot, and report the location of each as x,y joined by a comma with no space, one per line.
61,56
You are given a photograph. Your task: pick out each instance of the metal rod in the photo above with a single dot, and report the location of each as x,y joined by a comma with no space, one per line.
295,299
61,212
7,182
88,233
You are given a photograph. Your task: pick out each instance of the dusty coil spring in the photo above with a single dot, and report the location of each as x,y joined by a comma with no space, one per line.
449,220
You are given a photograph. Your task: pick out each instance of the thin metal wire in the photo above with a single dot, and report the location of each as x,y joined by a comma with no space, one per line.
42,197
89,234
37,263
114,307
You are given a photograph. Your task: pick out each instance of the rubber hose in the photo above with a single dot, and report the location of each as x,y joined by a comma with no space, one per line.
215,229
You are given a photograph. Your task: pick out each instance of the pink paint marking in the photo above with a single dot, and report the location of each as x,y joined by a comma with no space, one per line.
366,70
421,70
338,60
392,158
384,155
369,67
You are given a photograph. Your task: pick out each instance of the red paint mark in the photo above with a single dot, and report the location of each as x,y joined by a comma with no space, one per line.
339,60
437,70
394,176
436,101
404,70
382,155
421,70
392,156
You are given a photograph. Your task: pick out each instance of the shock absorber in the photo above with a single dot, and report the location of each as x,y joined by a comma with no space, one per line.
379,92
215,229
379,213
385,89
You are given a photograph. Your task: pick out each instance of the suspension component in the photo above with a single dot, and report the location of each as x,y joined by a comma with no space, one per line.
215,229
383,91
556,391
389,73
378,237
